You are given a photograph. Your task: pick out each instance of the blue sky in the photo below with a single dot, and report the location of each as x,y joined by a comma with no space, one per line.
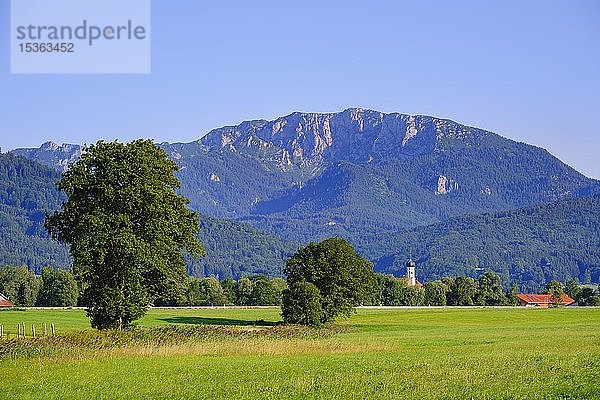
528,70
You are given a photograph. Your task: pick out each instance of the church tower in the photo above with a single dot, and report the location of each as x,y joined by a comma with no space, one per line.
411,274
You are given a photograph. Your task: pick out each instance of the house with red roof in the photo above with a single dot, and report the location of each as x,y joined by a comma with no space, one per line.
5,302
542,300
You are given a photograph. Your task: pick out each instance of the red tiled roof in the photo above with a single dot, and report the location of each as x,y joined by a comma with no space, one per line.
543,299
4,302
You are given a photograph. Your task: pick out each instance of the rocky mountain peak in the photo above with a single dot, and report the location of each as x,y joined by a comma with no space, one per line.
50,153
355,134
303,139
51,146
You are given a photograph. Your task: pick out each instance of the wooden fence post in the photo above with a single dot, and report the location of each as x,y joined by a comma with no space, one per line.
52,329
1,331
23,329
33,330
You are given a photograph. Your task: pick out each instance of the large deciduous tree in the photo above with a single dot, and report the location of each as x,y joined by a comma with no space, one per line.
126,227
344,278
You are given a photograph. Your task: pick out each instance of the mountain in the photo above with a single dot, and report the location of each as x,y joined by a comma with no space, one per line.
414,164
528,246
359,174
52,154
307,176
362,173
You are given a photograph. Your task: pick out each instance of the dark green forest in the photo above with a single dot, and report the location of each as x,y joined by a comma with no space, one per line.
528,246
27,191
235,249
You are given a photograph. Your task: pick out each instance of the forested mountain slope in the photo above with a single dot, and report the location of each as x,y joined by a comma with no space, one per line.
27,191
528,246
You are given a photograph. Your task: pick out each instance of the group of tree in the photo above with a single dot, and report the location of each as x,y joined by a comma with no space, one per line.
58,288
487,290
53,288
584,295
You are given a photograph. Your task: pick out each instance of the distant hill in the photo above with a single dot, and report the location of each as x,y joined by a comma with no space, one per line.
528,246
359,174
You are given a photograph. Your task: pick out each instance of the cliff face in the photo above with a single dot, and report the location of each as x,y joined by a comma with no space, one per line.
356,135
52,154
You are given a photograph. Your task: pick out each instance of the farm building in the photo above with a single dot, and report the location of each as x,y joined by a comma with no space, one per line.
542,300
5,302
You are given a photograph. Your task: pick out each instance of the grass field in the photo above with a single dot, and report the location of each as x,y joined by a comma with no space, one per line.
385,353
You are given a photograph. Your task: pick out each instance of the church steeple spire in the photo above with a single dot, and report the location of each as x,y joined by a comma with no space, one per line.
411,274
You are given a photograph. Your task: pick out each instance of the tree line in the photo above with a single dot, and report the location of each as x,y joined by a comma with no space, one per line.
487,290
58,288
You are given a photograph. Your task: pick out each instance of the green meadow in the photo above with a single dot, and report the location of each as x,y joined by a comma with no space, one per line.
447,353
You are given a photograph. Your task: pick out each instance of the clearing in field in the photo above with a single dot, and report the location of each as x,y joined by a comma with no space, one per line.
506,353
